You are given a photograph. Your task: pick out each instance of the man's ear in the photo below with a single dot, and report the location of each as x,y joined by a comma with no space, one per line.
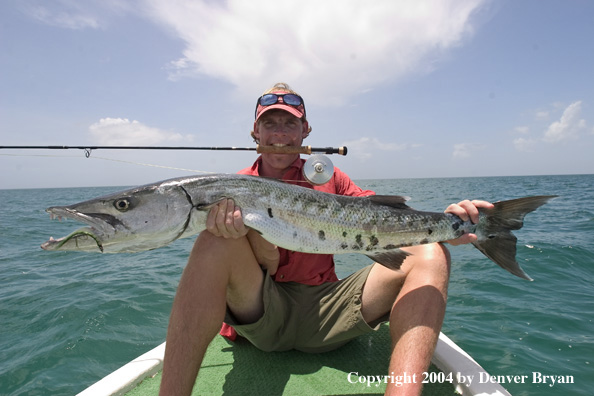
305,130
256,131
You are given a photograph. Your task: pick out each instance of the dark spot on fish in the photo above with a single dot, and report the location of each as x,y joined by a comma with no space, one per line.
359,240
455,226
270,213
344,246
356,247
294,234
429,231
373,240
492,236
322,235
344,234
424,241
390,246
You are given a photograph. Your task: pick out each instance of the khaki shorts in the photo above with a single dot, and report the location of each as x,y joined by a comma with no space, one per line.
308,318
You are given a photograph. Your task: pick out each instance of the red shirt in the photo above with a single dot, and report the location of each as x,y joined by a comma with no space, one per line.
306,268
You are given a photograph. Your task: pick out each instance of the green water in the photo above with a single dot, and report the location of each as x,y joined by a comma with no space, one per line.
68,319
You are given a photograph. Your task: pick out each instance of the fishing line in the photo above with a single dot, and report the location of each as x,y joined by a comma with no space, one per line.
183,169
126,162
151,165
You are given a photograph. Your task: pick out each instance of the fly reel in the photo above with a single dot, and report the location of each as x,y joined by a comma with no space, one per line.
318,169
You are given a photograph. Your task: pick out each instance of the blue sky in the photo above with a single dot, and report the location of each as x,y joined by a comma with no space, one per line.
442,88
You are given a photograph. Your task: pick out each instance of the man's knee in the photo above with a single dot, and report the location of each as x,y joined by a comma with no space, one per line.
222,260
439,254
212,247
433,258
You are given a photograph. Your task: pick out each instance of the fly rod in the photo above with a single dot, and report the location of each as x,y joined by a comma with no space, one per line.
259,149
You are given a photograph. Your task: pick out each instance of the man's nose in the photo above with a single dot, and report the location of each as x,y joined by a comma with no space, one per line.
280,129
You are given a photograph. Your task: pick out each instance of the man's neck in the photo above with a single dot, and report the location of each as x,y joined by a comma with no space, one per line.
268,170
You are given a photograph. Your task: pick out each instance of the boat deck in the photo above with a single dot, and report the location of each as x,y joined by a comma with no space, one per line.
239,368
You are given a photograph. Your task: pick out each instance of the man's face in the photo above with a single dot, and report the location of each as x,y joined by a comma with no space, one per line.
280,128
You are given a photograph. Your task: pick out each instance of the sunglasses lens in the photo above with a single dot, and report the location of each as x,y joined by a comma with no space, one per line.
268,99
292,100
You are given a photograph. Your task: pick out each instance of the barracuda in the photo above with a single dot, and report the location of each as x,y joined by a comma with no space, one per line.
292,217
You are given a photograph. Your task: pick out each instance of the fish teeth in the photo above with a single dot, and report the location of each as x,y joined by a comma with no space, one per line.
55,217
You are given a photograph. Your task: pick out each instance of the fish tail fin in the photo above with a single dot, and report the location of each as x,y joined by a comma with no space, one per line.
495,239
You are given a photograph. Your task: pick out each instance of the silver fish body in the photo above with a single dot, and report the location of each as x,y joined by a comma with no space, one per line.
293,217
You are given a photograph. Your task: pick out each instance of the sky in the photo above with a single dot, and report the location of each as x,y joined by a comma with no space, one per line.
413,88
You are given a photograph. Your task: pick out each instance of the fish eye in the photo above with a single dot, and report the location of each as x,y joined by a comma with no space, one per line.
122,204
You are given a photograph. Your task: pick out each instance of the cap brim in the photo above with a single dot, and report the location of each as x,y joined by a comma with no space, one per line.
280,106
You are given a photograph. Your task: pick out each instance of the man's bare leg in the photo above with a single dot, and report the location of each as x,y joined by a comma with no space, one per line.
220,272
417,298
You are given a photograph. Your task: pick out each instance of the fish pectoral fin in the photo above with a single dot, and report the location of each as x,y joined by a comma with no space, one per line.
391,259
208,206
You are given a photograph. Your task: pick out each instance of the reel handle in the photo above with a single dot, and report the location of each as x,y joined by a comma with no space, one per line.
318,170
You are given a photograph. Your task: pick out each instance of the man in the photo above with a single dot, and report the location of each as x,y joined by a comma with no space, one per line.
235,276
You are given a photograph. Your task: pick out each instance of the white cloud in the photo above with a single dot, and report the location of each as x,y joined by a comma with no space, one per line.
366,147
568,126
123,132
333,46
465,150
329,49
523,144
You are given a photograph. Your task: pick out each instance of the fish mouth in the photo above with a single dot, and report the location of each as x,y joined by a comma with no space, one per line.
85,238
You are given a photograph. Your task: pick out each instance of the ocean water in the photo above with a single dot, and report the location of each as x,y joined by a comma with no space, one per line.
67,319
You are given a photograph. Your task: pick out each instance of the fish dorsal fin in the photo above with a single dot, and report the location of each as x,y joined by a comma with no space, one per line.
395,201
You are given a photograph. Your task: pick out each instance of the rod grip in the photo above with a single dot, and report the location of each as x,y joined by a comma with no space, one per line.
283,150
301,150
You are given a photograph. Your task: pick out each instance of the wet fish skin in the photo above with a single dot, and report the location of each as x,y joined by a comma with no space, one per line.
293,217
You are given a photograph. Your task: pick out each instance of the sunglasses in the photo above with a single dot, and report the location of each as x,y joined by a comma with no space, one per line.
290,99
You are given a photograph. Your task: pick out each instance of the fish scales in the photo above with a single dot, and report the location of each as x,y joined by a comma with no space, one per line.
325,223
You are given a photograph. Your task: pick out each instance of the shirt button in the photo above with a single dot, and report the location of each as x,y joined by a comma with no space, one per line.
282,277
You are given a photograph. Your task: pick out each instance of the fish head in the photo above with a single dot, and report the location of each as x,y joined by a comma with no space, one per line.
134,220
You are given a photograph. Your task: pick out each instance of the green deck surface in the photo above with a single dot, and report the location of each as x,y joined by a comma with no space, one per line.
240,369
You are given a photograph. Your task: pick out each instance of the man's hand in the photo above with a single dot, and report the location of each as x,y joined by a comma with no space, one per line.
225,220
467,210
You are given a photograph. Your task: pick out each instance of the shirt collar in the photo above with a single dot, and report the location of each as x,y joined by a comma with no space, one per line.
294,172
